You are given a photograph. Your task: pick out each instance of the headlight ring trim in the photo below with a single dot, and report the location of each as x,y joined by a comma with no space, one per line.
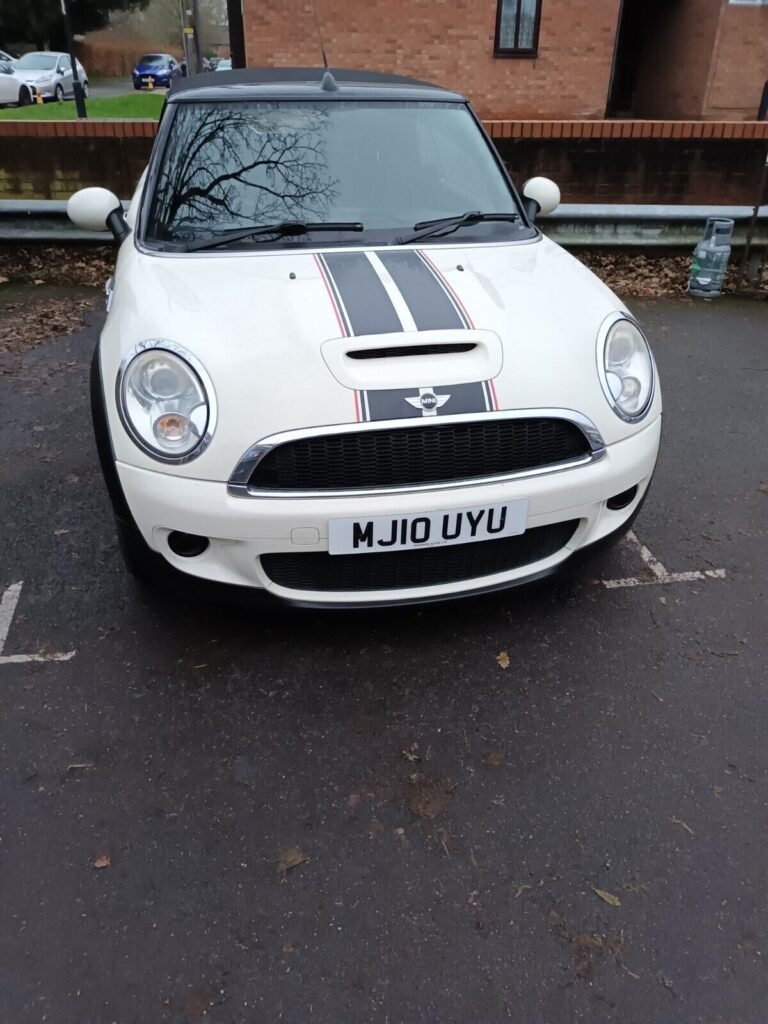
602,341
164,344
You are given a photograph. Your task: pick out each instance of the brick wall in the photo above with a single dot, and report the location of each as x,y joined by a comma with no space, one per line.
450,42
53,159
675,59
660,171
739,64
592,161
703,59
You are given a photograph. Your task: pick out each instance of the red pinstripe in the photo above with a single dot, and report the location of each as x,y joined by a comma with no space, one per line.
447,284
493,393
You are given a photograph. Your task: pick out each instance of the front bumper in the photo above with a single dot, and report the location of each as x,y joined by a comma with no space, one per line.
158,81
242,529
47,92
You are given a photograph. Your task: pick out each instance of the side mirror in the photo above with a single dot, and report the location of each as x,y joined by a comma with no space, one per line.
97,209
540,196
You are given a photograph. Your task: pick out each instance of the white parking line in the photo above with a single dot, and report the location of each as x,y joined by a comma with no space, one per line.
660,573
7,610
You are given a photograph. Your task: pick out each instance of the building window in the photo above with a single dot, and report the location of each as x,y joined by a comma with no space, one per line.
517,28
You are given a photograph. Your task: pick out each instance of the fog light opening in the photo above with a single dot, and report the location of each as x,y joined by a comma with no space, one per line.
187,545
619,501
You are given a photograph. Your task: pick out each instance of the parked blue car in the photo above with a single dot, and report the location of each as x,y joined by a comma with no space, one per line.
162,68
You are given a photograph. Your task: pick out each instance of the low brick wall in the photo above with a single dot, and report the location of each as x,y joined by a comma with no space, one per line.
707,163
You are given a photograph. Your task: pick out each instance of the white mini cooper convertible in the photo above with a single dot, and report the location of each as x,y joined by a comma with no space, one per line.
341,364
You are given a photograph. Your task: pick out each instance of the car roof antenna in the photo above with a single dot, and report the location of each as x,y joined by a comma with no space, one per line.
329,82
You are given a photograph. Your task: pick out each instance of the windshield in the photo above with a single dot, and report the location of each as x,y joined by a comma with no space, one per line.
36,62
387,165
152,59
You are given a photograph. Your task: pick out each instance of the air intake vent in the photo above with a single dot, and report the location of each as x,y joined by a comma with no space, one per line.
421,568
419,455
398,351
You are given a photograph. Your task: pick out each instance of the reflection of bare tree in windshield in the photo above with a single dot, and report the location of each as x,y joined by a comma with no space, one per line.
233,166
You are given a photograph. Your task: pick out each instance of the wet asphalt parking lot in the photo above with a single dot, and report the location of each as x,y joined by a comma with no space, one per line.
306,817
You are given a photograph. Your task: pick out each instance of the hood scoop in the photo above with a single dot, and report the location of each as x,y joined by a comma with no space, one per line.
403,351
414,358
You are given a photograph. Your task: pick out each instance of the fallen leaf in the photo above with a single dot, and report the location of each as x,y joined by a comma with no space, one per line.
503,659
59,533
426,797
289,859
353,800
662,600
607,897
198,1003
763,488
102,862
492,760
472,898
289,948
399,833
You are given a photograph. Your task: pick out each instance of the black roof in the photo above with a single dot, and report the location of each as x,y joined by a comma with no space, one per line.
305,84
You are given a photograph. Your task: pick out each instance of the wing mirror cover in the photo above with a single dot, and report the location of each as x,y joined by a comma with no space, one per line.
98,209
541,196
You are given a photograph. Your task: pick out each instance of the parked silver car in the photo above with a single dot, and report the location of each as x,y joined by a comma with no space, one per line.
13,92
49,74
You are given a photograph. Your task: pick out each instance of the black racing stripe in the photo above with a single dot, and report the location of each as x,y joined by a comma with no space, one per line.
393,404
430,305
335,293
365,298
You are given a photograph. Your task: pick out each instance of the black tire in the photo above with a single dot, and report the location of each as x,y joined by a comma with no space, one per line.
58,93
137,87
86,89
25,97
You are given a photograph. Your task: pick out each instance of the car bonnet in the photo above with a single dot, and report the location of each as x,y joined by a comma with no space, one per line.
295,340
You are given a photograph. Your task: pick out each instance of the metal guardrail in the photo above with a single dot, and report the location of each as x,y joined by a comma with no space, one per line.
581,225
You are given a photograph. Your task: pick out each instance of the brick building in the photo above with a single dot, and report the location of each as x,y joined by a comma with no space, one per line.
538,58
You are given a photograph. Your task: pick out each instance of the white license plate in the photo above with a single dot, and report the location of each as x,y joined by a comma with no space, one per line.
368,535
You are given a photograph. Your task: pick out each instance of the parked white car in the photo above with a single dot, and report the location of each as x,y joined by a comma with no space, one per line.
342,365
13,91
49,74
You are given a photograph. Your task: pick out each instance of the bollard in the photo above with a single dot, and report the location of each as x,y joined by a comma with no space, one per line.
710,259
150,82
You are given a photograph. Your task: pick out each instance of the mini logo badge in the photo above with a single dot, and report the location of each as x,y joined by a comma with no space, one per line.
428,402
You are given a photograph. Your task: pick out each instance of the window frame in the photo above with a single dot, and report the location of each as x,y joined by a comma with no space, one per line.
516,51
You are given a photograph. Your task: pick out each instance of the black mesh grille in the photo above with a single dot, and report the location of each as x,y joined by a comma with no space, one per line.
417,455
397,570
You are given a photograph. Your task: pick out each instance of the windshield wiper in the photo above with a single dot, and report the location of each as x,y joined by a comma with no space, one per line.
285,228
446,225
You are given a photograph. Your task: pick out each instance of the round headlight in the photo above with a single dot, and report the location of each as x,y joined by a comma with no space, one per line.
626,368
164,403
